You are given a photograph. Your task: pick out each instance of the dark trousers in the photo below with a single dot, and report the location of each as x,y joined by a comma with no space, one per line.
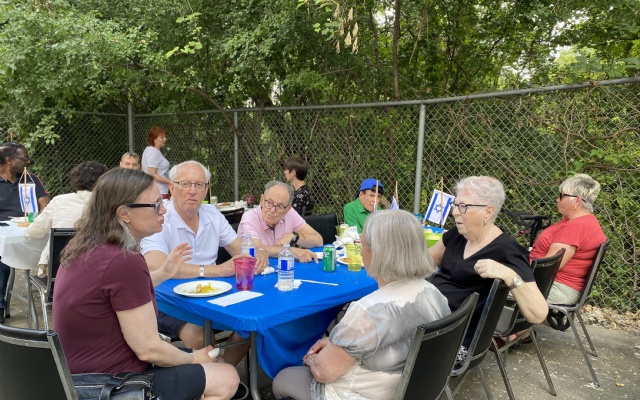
5,270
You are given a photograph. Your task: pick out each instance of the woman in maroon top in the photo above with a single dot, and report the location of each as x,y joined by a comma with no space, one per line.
104,305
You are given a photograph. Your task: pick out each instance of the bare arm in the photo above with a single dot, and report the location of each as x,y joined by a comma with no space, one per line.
172,263
327,361
43,202
158,178
302,255
437,252
155,259
308,237
140,330
529,298
569,251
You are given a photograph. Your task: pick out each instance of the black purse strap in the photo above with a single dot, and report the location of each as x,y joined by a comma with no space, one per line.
116,382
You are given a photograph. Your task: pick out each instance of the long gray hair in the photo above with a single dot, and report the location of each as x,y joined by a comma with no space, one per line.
99,223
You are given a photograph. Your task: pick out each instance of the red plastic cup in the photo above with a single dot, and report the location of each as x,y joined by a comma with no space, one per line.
245,269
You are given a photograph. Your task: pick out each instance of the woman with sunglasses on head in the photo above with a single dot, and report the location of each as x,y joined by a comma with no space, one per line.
476,251
104,305
578,232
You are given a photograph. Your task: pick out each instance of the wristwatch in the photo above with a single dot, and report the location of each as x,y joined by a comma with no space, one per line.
295,240
201,273
517,281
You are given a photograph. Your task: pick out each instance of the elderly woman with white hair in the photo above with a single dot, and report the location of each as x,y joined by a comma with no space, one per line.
476,251
578,232
365,353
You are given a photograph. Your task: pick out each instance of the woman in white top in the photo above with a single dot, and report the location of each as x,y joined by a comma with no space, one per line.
365,353
64,210
153,162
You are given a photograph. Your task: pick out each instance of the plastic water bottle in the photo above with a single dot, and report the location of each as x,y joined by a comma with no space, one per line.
248,247
285,269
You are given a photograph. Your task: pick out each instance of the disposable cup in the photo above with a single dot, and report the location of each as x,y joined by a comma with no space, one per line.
354,258
245,269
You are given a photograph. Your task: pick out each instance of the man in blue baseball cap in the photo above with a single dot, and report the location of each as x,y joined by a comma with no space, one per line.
357,211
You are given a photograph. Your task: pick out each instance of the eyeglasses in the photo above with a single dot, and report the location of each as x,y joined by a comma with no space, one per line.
187,185
142,205
25,159
270,204
463,207
566,195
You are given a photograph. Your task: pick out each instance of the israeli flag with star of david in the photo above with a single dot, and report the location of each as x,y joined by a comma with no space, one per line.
439,207
28,200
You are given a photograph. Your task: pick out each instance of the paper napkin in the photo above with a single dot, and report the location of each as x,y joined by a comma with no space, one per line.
234,298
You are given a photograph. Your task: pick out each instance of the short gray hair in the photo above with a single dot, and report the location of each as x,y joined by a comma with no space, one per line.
273,183
583,186
484,190
176,168
130,154
398,247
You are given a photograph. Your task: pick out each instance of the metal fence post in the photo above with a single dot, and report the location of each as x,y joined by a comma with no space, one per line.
130,126
236,162
419,155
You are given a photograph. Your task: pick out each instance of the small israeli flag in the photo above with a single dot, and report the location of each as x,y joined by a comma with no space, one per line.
439,207
394,204
28,200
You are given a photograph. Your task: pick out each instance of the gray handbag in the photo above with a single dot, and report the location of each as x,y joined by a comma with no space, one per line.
122,386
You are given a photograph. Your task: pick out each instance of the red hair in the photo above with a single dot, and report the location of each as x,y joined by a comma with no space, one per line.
154,132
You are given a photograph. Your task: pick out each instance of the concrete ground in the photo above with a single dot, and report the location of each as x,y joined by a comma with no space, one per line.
617,365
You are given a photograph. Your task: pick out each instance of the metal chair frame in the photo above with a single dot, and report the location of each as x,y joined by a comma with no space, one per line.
433,353
58,239
544,272
570,311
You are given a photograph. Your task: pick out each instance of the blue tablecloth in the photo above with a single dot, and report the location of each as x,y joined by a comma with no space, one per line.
287,323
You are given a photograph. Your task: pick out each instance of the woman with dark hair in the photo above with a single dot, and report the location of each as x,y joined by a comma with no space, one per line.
64,210
104,306
153,162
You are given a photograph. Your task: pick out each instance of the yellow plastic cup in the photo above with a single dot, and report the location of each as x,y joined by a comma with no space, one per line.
354,258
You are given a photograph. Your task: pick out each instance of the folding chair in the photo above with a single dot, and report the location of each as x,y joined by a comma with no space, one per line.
58,239
483,335
324,224
234,216
560,315
33,366
432,354
512,321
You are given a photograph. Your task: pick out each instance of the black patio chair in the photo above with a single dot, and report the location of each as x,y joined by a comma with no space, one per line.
233,216
33,366
483,336
324,224
223,254
512,321
433,353
58,239
562,316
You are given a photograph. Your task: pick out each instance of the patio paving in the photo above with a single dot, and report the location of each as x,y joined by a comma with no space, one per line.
617,365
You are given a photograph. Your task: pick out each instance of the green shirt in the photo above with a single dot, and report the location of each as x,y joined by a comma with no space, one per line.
355,214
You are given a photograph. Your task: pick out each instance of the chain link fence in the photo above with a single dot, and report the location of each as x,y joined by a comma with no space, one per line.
530,140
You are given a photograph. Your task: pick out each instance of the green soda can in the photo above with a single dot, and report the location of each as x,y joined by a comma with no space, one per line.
329,258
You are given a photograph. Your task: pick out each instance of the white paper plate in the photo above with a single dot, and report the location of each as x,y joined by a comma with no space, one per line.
343,260
188,288
18,219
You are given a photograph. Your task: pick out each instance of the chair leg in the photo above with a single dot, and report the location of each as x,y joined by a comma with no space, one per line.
552,389
505,378
43,300
460,379
448,392
593,351
12,278
582,349
32,315
487,391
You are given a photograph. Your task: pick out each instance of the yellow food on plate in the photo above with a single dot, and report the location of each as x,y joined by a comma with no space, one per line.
225,204
200,288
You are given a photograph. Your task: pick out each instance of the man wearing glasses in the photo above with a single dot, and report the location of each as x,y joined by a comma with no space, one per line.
205,229
13,160
274,222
